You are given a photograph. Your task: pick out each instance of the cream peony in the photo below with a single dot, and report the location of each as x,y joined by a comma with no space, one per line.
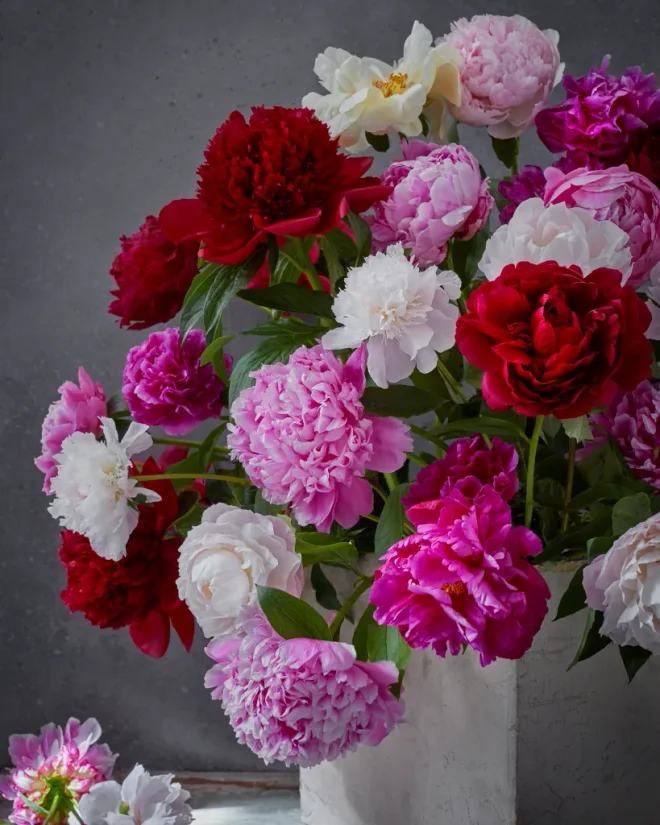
569,236
367,95
403,313
625,585
226,556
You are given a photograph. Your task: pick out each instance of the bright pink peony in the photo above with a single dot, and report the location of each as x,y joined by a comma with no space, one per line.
68,762
464,580
165,386
437,194
77,411
300,701
303,437
626,198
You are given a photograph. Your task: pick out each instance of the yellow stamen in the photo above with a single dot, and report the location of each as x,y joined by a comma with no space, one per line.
454,588
394,85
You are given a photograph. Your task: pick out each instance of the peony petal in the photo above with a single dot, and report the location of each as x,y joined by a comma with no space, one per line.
151,634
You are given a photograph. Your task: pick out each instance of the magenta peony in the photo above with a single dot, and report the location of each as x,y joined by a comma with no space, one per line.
165,386
626,198
77,411
303,437
528,183
300,701
437,194
464,580
509,68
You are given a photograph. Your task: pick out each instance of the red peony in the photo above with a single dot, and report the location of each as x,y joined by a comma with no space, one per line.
153,275
551,341
280,173
138,591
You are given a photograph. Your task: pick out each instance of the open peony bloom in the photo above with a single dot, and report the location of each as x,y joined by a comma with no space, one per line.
571,237
526,184
141,799
626,198
625,585
67,762
508,69
367,95
300,701
653,304
223,559
79,410
403,314
303,437
437,194
94,490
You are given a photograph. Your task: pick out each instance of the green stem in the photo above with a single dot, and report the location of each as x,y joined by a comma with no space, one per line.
377,489
309,269
529,489
417,459
53,809
390,480
570,475
361,587
437,442
177,442
450,257
192,476
451,381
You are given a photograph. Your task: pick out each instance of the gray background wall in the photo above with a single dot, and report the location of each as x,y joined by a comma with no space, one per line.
106,108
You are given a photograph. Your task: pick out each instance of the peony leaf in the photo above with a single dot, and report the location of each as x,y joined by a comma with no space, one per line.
466,256
215,354
228,281
362,233
452,135
400,400
592,642
343,243
598,546
574,598
381,143
633,659
391,521
336,271
184,524
506,151
578,428
192,310
326,595
316,549
289,297
630,511
292,618
574,539
361,633
611,490
385,644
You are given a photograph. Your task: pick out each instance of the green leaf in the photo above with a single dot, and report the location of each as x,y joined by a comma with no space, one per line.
575,538
215,354
467,254
574,598
493,186
452,132
336,270
343,243
381,143
184,524
633,659
291,298
611,490
385,644
229,280
192,311
578,428
316,549
433,383
592,642
630,511
296,252
362,234
425,124
326,595
400,400
506,151
602,464
360,639
286,326
273,254
486,425
197,459
390,523
292,618
33,805
598,546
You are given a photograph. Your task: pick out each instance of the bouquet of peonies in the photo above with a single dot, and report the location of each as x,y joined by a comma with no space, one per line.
526,349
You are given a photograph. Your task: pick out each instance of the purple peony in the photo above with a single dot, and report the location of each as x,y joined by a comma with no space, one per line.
526,184
438,194
300,701
77,411
165,385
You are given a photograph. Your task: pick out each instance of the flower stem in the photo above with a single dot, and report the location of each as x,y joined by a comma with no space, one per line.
192,476
361,587
309,268
451,381
417,459
177,442
529,489
390,480
570,475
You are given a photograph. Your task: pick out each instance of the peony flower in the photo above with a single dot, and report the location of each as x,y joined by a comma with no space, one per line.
152,275
644,153
367,95
65,763
526,184
437,194
625,585
404,314
223,559
509,67
278,174
138,591
93,488
464,580
552,342
303,437
165,385
468,465
300,701
626,198
653,304
77,411
571,237
141,799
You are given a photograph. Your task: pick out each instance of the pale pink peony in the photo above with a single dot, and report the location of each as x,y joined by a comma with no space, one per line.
77,411
626,198
303,437
300,701
438,194
68,760
509,67
464,580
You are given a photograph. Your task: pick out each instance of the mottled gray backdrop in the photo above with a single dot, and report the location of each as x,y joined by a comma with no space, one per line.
106,108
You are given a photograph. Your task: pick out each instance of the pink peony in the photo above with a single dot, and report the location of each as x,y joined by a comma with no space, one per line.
68,762
165,386
464,580
528,183
509,68
303,437
626,198
300,701
77,411
437,194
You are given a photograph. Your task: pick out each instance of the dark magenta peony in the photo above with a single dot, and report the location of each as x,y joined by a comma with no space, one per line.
526,184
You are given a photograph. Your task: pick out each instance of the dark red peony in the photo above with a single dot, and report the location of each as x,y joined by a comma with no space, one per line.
552,342
152,275
138,591
280,173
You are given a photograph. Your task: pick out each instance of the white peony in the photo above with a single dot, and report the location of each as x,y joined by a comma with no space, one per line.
93,489
367,95
653,292
226,556
403,313
569,236
625,585
141,799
